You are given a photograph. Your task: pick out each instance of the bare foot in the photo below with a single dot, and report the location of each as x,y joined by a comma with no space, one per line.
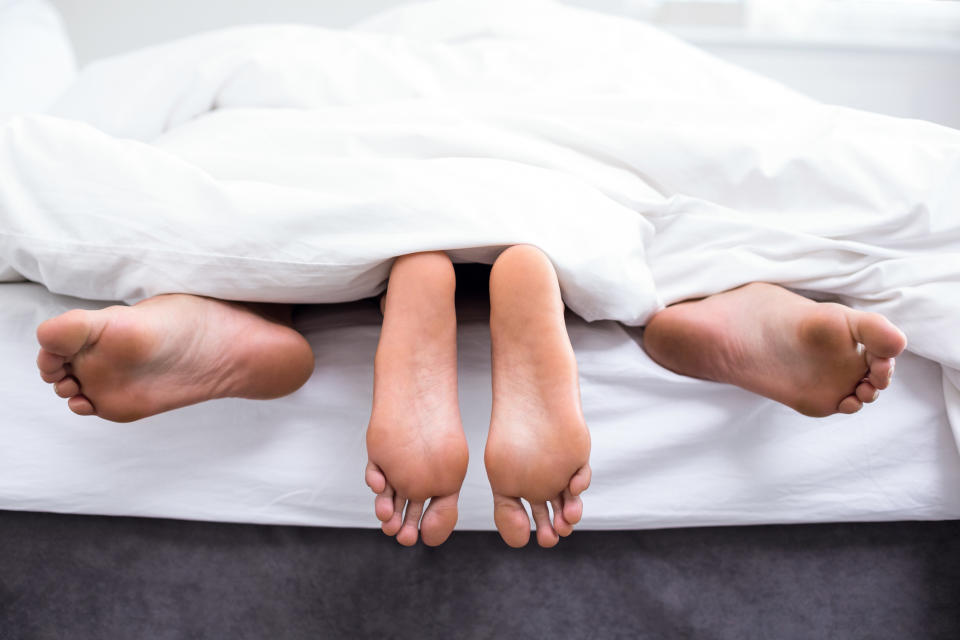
126,363
781,345
538,447
415,442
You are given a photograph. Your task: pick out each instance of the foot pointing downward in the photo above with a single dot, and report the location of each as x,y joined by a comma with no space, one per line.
415,442
817,358
538,447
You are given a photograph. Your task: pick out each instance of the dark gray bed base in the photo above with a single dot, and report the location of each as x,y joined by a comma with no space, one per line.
81,577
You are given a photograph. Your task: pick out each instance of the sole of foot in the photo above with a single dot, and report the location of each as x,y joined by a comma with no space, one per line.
538,446
817,358
415,442
166,352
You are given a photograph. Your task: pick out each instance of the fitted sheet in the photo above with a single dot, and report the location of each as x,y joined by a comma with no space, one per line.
667,450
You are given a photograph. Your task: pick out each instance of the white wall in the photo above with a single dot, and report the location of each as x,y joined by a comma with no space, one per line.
904,80
105,27
910,80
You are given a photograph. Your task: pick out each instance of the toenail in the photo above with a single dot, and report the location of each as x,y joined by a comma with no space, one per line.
876,394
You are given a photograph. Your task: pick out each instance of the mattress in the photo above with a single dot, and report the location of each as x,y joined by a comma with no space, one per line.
667,450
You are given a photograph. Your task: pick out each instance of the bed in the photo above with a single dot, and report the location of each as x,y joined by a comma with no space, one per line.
667,450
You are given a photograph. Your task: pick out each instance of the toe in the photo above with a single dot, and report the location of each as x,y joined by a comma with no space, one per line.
66,334
391,526
67,388
866,392
850,404
411,524
375,478
439,520
881,371
880,336
383,504
580,480
81,406
383,507
560,524
572,507
49,362
511,520
546,536
54,376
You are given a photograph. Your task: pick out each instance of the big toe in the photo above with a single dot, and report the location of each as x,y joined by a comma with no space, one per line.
439,520
511,520
879,336
66,334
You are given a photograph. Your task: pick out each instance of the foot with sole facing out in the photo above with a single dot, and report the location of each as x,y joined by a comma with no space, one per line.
538,447
818,358
166,352
415,442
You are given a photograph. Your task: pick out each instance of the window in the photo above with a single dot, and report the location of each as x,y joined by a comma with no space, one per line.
851,20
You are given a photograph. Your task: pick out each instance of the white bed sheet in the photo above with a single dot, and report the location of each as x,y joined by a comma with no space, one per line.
667,450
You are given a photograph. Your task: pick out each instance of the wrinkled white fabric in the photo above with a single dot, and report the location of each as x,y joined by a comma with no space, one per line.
291,163
36,65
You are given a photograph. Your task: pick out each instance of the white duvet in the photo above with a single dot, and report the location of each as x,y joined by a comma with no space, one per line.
289,163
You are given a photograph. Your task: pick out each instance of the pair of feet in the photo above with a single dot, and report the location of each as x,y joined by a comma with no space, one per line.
126,363
538,444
